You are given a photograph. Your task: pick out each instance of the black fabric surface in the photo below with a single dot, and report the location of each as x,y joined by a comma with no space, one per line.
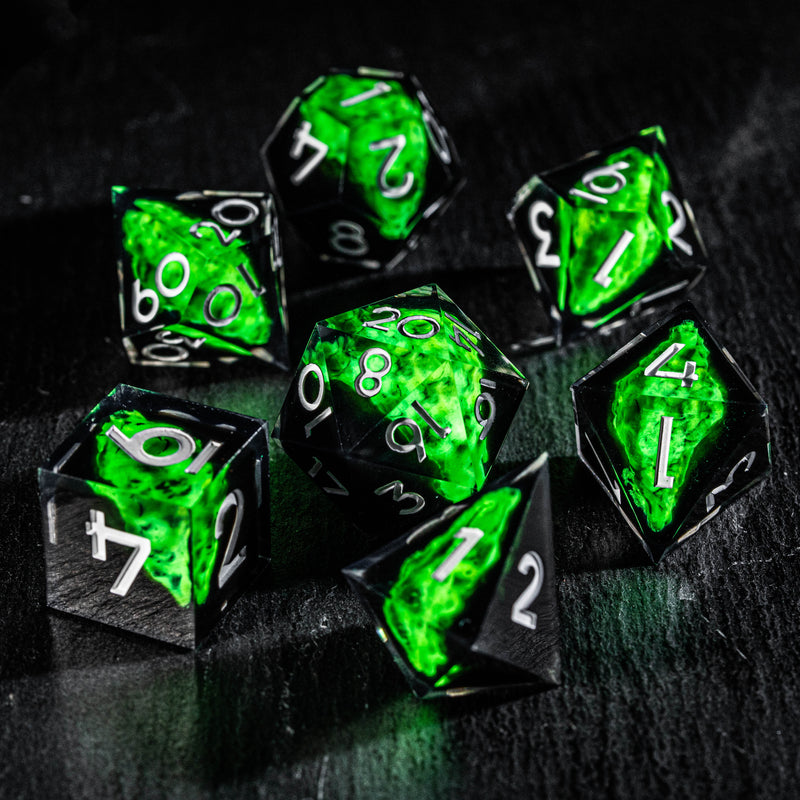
679,681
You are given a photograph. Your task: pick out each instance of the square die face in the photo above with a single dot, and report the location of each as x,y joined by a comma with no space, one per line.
201,276
608,234
180,487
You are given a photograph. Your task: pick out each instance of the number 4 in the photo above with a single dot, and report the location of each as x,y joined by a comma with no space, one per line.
102,533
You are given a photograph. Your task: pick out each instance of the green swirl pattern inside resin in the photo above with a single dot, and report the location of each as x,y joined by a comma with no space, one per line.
421,372
638,405
419,609
360,140
590,231
153,229
175,511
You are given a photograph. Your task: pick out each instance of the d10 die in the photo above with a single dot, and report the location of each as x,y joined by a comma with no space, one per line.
201,277
155,512
671,429
399,407
467,601
358,161
607,235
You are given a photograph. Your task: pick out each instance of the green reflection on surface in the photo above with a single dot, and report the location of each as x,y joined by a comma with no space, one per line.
596,228
638,406
153,230
174,510
358,136
419,609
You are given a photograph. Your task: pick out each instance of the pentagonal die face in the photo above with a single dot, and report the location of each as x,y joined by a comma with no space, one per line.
201,277
466,602
155,514
358,162
608,235
672,429
399,407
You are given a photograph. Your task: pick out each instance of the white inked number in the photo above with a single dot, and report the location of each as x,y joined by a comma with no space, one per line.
439,430
219,322
469,538
437,135
520,611
747,462
395,144
186,271
416,443
171,347
687,377
375,377
337,488
348,238
603,275
224,238
543,257
664,481
301,140
590,178
102,533
379,324
140,296
314,403
408,326
381,87
134,447
403,327
232,560
221,212
485,399
679,224
460,328
398,496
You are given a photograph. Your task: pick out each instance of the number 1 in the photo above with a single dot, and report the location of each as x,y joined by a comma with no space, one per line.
469,538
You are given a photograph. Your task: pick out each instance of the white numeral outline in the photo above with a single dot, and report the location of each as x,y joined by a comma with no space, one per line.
520,611
102,533
543,258
687,377
469,538
302,138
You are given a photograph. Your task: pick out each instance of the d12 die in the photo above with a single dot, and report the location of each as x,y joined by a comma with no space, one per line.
467,601
155,512
399,407
607,235
672,430
201,277
358,161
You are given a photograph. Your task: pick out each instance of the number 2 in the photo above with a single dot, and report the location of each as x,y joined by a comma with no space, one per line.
520,611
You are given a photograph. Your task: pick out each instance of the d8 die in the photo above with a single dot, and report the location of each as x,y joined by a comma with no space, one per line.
607,235
672,430
399,407
156,514
467,601
358,161
201,277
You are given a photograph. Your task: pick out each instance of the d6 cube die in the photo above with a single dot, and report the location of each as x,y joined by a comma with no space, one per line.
155,512
201,277
672,429
607,235
399,407
466,602
358,162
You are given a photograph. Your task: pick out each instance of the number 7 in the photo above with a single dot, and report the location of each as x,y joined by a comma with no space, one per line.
101,533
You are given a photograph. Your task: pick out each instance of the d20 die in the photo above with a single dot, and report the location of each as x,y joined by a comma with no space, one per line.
399,407
358,162
608,234
201,277
672,429
156,514
467,601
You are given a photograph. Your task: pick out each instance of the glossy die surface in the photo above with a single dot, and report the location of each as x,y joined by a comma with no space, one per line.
467,601
607,235
399,407
155,514
672,429
358,162
201,277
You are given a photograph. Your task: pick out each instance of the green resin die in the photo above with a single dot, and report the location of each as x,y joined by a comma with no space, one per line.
671,429
358,162
399,407
155,514
608,235
466,602
201,277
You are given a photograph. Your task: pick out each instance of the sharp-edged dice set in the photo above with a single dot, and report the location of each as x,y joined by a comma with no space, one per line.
156,509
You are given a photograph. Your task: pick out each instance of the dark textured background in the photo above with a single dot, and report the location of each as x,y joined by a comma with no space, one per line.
678,681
